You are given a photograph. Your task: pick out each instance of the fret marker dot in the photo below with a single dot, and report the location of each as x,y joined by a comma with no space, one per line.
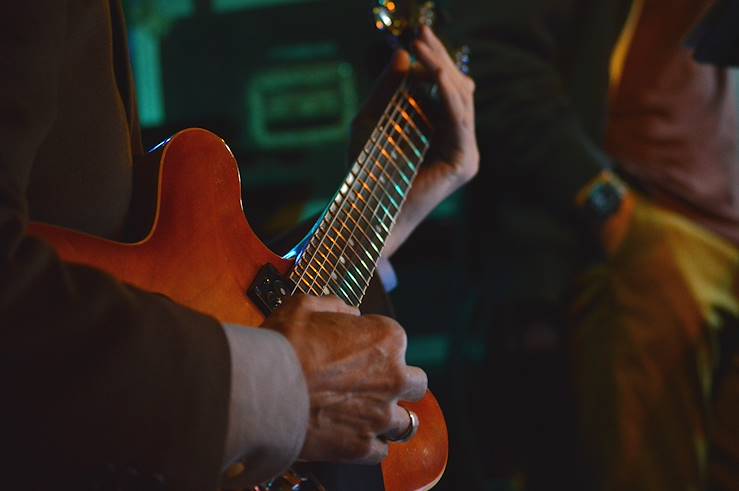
326,291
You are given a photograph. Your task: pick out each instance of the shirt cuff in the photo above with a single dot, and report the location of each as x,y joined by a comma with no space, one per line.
387,274
269,404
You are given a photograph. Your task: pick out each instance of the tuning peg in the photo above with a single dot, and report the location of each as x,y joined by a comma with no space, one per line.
462,59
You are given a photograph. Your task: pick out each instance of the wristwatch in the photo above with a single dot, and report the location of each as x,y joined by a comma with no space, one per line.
601,197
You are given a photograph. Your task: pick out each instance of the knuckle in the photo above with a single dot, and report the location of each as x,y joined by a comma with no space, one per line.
301,300
397,333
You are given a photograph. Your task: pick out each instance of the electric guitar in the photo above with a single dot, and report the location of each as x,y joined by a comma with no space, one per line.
201,252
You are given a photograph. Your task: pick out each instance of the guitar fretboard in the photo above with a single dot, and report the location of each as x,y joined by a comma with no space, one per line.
341,255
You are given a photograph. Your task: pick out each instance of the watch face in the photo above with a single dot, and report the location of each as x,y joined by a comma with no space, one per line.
604,201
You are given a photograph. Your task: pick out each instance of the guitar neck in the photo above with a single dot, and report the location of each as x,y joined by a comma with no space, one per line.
340,255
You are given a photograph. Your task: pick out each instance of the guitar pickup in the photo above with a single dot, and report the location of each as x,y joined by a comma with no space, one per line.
269,289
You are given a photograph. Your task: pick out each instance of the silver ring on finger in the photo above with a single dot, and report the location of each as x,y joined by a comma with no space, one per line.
412,429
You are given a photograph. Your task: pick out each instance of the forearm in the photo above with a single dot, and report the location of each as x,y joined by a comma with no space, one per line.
430,188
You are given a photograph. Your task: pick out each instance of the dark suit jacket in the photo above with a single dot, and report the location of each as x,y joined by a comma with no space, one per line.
101,382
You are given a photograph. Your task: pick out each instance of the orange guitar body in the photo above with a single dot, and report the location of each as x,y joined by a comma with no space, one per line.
202,253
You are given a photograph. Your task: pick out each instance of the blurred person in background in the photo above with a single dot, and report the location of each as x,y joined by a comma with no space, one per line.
610,156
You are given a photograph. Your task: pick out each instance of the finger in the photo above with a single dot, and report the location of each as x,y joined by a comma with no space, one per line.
400,423
450,80
428,38
429,59
327,303
415,386
450,92
332,303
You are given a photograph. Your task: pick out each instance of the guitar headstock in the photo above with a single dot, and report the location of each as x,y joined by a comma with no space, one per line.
401,20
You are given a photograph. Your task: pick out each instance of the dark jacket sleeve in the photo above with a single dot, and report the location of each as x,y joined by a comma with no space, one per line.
101,382
530,131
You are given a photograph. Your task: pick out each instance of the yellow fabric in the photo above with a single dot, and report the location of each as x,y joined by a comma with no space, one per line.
618,57
708,262
645,353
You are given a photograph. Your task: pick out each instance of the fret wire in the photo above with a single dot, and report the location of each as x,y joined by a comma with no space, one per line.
360,242
359,211
396,126
380,221
359,196
379,203
371,195
346,242
312,279
383,151
315,275
334,277
379,165
408,119
385,191
310,287
418,110
318,272
392,161
402,153
347,295
390,106
396,147
414,174
357,226
387,131
402,174
385,208
407,138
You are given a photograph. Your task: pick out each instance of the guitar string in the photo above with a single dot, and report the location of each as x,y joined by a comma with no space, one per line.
300,279
398,169
329,227
349,202
342,208
348,243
